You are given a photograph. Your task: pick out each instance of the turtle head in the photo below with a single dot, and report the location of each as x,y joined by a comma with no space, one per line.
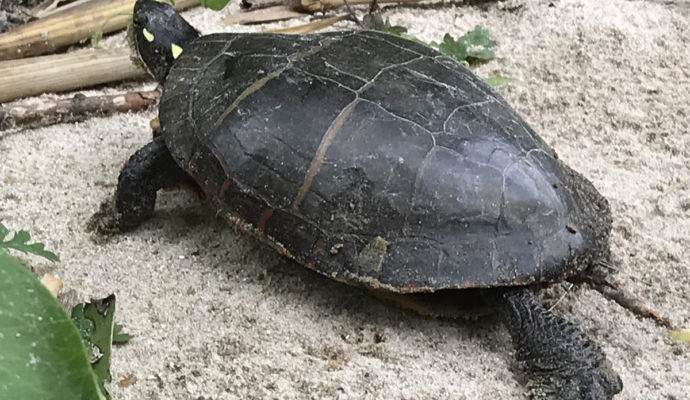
159,33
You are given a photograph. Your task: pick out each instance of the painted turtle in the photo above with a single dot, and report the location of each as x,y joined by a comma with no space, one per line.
379,162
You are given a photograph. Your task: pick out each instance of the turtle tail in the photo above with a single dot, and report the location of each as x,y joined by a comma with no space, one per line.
559,360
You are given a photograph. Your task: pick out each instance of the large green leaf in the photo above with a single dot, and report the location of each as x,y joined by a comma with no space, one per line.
41,354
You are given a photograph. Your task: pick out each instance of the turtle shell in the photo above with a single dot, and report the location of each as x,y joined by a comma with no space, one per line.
376,160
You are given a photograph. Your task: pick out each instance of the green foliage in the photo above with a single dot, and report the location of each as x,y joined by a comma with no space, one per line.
682,335
41,354
120,337
471,48
478,45
453,48
96,328
396,30
214,4
96,37
498,80
20,242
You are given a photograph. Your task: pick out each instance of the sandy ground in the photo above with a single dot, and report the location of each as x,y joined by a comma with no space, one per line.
218,316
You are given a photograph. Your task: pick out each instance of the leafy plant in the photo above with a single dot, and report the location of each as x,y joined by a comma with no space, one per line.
470,49
478,44
96,37
682,335
20,242
41,354
97,331
396,30
498,80
214,4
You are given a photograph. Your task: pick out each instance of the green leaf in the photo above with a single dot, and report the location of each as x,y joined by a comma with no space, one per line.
214,4
120,337
41,355
86,328
20,242
682,335
95,321
453,48
498,80
83,324
396,30
478,44
96,37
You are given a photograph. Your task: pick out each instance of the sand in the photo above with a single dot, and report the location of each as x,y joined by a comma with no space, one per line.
218,316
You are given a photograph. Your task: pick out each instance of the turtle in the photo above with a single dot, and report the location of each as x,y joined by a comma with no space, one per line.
379,162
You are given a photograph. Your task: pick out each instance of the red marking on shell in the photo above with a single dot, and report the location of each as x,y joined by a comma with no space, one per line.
192,162
263,218
226,185
340,278
523,280
318,247
310,264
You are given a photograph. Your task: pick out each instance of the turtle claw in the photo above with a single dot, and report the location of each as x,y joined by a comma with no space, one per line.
106,221
559,360
594,382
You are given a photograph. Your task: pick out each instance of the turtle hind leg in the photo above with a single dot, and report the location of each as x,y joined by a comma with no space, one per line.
149,169
559,360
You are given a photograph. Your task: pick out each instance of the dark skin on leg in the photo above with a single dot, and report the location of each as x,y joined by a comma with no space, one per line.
151,168
559,360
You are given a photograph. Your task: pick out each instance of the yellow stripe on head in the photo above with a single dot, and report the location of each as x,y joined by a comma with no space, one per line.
148,35
176,50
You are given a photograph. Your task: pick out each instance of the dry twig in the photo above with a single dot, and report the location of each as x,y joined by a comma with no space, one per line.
46,112
309,27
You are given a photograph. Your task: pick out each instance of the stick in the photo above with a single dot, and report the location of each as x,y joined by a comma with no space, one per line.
630,302
70,26
310,5
269,14
55,73
309,27
320,5
78,108
612,290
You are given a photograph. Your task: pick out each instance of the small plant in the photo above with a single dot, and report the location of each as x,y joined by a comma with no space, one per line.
470,49
43,353
42,356
20,241
214,4
682,335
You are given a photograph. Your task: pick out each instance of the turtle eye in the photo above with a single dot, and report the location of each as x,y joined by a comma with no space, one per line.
147,35
176,50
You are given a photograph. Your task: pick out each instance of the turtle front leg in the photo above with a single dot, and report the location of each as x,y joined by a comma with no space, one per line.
559,360
149,169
